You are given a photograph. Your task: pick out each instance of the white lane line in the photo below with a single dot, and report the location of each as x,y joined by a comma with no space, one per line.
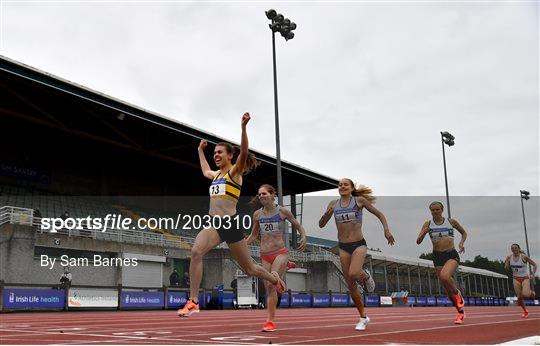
530,340
117,337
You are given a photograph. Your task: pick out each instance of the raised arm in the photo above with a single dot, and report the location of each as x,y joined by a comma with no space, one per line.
205,167
255,229
327,214
239,166
296,226
423,232
361,201
460,229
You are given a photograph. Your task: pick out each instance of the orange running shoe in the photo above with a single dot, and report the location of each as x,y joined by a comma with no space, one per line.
525,314
268,327
459,303
459,318
188,309
280,286
291,265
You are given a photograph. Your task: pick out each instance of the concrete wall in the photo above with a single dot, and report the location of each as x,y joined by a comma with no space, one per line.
322,277
18,265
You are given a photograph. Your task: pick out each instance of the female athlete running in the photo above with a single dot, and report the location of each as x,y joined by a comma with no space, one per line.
347,211
224,194
445,256
268,221
517,262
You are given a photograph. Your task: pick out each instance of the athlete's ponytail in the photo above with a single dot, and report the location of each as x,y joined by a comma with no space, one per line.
251,161
362,191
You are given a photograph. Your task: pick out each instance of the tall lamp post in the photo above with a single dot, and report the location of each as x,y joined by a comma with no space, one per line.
448,139
285,27
525,196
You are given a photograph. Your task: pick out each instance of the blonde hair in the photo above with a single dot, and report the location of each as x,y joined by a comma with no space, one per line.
362,191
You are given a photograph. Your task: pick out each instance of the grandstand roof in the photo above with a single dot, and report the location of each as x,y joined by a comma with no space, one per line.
419,262
54,109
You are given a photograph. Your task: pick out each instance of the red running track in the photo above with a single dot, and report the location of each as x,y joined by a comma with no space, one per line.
422,325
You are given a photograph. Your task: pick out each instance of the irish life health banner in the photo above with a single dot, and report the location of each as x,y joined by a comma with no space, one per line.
16,298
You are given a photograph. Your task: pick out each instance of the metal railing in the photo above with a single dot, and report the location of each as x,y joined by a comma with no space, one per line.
24,216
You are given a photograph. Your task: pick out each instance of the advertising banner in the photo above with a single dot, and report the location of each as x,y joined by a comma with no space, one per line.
340,300
228,300
284,302
92,298
176,299
16,298
386,301
137,299
372,300
300,300
321,300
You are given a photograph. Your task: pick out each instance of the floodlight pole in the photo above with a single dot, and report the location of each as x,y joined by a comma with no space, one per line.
276,115
525,227
445,177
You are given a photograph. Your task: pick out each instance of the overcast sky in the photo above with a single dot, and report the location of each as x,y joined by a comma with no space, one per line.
364,87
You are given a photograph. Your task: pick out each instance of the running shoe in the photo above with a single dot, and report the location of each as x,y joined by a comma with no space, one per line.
459,303
188,309
291,265
525,314
369,284
280,286
459,318
268,327
362,324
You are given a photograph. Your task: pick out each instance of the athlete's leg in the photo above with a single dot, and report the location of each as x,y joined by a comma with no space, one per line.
446,276
518,289
526,291
280,266
240,254
346,261
356,267
206,240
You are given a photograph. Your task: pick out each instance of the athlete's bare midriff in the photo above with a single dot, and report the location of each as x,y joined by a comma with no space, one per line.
221,207
444,244
272,242
350,232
